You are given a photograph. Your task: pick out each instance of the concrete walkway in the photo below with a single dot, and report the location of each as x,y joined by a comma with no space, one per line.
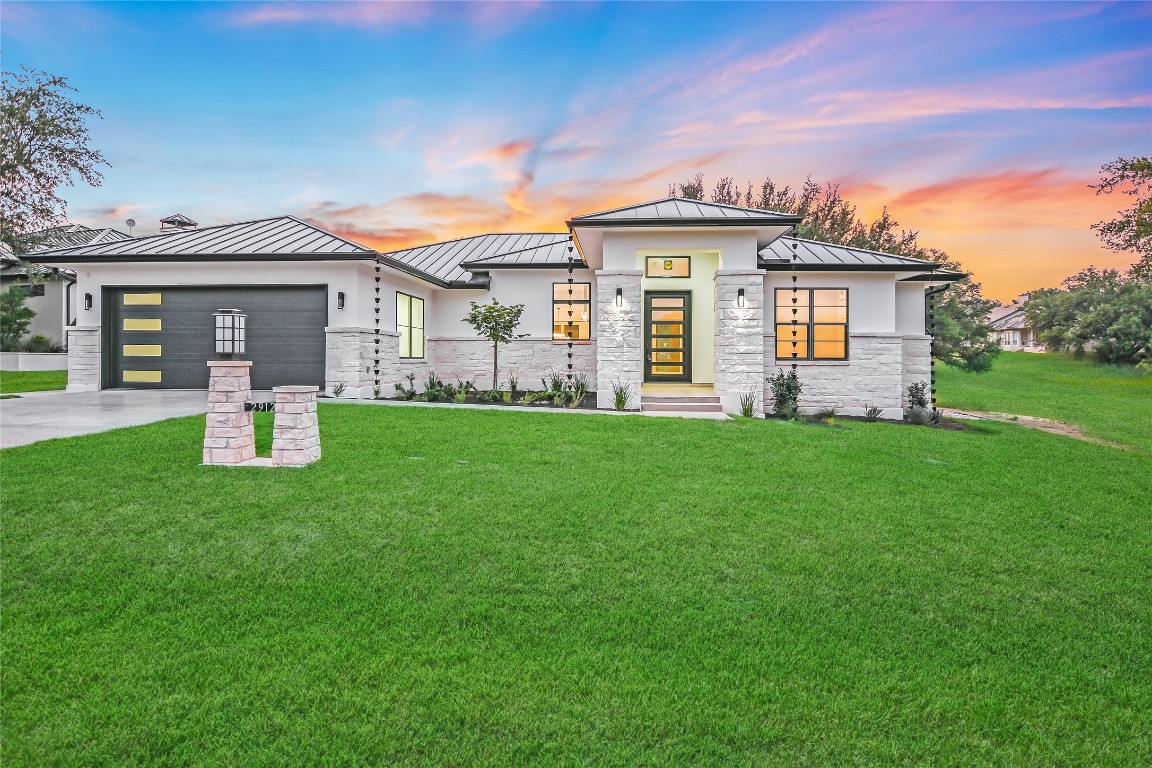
36,416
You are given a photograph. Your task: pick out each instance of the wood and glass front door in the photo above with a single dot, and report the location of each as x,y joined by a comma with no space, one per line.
667,336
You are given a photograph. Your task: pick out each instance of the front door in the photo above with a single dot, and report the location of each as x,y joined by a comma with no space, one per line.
667,336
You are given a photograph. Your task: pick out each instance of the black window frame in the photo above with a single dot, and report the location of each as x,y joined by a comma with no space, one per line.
810,326
423,326
572,302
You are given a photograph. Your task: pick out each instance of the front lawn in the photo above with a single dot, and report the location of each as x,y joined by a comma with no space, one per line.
1110,401
32,381
450,587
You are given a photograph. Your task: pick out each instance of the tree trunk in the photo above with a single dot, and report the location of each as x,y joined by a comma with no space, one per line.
495,348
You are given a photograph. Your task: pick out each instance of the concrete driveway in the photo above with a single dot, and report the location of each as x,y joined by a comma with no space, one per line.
36,416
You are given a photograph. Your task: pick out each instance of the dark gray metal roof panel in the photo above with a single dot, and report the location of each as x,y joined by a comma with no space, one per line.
812,253
678,210
285,236
444,261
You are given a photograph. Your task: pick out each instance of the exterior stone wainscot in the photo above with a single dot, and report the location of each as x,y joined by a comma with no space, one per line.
350,355
739,337
619,335
229,436
296,432
84,359
873,375
528,360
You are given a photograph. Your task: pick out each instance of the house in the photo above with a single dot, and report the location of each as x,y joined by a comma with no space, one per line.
1009,326
658,296
50,293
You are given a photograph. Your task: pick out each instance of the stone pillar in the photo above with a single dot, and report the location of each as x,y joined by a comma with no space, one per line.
229,437
296,435
739,337
619,335
84,358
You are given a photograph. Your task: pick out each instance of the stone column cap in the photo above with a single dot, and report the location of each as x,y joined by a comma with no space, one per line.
229,363
72,328
295,390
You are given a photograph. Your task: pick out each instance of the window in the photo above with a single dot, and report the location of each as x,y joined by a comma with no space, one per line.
821,327
410,325
668,266
572,311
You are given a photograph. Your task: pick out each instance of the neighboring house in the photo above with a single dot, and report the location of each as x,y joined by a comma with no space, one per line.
1010,327
675,292
50,293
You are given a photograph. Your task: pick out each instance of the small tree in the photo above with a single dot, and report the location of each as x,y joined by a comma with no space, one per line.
496,322
14,319
1131,230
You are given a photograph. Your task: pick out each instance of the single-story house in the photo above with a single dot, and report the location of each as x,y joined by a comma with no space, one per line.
1009,326
50,293
660,295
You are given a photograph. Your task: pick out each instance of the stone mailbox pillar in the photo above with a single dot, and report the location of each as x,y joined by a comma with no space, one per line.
229,437
296,435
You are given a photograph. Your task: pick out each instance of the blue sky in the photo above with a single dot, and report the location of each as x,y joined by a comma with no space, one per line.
979,124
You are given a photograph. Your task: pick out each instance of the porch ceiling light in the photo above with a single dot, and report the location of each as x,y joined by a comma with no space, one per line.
619,297
740,298
230,331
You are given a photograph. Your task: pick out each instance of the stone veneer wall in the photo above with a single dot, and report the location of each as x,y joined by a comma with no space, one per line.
83,358
917,363
349,359
873,375
529,360
739,337
619,335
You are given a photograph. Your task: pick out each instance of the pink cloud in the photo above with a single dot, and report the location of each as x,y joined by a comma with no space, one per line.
368,14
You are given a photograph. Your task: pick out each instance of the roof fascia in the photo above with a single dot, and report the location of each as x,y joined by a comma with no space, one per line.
747,223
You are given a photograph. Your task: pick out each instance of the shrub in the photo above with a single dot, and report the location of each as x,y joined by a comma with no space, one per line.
918,415
338,390
554,382
579,388
918,395
461,396
826,414
466,386
786,387
506,397
513,383
621,395
872,413
406,393
748,403
529,398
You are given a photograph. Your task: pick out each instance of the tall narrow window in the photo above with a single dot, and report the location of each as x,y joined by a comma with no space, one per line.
572,311
820,330
410,325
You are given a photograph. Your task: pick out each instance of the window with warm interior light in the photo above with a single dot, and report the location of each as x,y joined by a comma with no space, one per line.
820,330
668,266
572,311
410,325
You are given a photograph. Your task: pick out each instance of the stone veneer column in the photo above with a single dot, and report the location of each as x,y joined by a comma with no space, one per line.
83,358
229,437
296,434
739,338
619,335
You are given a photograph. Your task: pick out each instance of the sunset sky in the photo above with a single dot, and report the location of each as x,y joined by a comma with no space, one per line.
978,124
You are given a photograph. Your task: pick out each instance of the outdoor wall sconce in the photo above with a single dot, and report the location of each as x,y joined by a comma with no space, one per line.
340,300
87,301
619,297
230,329
740,298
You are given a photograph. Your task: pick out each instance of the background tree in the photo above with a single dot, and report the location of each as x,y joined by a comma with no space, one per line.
1132,229
496,322
1101,311
962,331
44,142
14,319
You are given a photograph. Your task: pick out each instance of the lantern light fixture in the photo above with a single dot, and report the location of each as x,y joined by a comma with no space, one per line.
230,331
87,301
619,297
340,300
740,298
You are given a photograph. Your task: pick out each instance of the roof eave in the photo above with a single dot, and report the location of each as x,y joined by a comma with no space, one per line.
469,265
780,265
779,221
137,258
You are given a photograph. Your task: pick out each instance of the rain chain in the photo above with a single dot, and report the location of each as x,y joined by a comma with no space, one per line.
795,309
571,306
932,349
376,357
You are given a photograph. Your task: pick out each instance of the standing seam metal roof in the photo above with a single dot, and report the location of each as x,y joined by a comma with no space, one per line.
813,252
444,261
682,209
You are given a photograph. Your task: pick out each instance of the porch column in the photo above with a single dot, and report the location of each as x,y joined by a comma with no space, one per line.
84,358
739,337
619,335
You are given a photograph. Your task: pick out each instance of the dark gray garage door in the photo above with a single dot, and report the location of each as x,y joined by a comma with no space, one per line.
162,337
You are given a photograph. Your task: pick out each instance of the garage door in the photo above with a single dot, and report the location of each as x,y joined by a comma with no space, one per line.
162,337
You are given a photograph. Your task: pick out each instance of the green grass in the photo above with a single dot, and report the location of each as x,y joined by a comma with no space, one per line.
32,381
1111,402
503,588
